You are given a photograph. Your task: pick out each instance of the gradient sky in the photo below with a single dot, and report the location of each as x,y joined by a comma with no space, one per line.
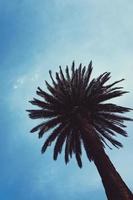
38,35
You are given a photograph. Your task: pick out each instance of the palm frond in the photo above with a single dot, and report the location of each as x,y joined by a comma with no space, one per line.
60,141
52,137
75,109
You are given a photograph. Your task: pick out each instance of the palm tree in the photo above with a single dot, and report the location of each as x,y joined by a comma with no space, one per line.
76,112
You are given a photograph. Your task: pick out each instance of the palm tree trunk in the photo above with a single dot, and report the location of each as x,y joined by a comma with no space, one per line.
115,187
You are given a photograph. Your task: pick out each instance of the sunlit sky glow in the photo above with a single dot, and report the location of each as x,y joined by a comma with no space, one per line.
36,36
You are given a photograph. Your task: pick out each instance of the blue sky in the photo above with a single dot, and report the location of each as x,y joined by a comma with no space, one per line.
36,36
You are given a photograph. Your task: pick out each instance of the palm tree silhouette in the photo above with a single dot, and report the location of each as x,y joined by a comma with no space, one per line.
76,112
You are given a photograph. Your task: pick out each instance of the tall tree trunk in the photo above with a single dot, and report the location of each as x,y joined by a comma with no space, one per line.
115,187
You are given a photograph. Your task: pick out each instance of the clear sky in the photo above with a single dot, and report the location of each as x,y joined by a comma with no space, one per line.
38,35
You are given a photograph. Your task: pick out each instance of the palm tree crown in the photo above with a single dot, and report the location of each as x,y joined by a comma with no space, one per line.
75,108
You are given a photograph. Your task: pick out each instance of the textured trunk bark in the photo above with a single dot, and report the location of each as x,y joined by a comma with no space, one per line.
115,187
